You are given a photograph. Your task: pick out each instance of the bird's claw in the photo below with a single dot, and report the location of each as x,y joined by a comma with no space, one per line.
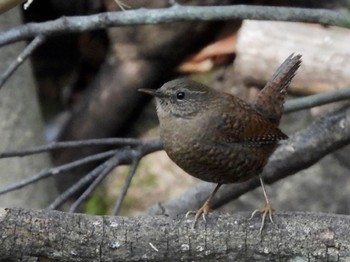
203,211
267,210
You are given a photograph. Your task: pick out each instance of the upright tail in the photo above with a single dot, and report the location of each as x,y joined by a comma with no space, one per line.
270,99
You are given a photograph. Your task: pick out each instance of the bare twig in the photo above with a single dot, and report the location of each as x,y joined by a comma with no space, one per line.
123,156
109,165
83,143
55,171
82,182
90,189
66,25
317,100
38,40
126,186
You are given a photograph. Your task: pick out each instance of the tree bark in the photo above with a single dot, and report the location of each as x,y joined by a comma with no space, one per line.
76,237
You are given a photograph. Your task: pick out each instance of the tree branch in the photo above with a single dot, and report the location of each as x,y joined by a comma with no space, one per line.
146,145
317,100
76,237
126,186
176,13
56,170
123,156
133,150
38,40
85,180
109,165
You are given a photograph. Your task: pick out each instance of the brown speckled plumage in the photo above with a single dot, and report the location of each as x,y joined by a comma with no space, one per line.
218,137
227,142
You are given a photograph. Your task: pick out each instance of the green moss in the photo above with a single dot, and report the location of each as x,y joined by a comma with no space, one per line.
141,184
97,204
101,203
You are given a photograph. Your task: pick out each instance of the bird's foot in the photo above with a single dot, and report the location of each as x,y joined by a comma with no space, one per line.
203,211
267,210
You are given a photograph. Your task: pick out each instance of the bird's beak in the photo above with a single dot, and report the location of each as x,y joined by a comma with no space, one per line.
151,92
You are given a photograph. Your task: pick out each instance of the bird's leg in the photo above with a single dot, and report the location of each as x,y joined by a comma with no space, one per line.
267,210
205,209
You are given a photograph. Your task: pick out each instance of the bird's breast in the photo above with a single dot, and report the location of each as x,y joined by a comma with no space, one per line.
188,145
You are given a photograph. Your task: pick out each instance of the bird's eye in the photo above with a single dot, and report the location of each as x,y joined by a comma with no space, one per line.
180,95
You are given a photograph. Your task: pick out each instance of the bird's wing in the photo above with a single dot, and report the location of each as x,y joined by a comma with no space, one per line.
242,124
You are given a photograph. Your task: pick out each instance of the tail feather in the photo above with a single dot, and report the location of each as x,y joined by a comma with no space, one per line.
270,100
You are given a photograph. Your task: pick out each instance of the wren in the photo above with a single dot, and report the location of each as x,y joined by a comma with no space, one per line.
218,137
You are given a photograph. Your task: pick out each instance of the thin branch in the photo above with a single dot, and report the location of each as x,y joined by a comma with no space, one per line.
55,171
107,169
317,100
76,187
38,40
88,191
80,184
81,143
123,156
177,13
126,186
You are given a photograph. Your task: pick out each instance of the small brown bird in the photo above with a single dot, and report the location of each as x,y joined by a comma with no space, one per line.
218,137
